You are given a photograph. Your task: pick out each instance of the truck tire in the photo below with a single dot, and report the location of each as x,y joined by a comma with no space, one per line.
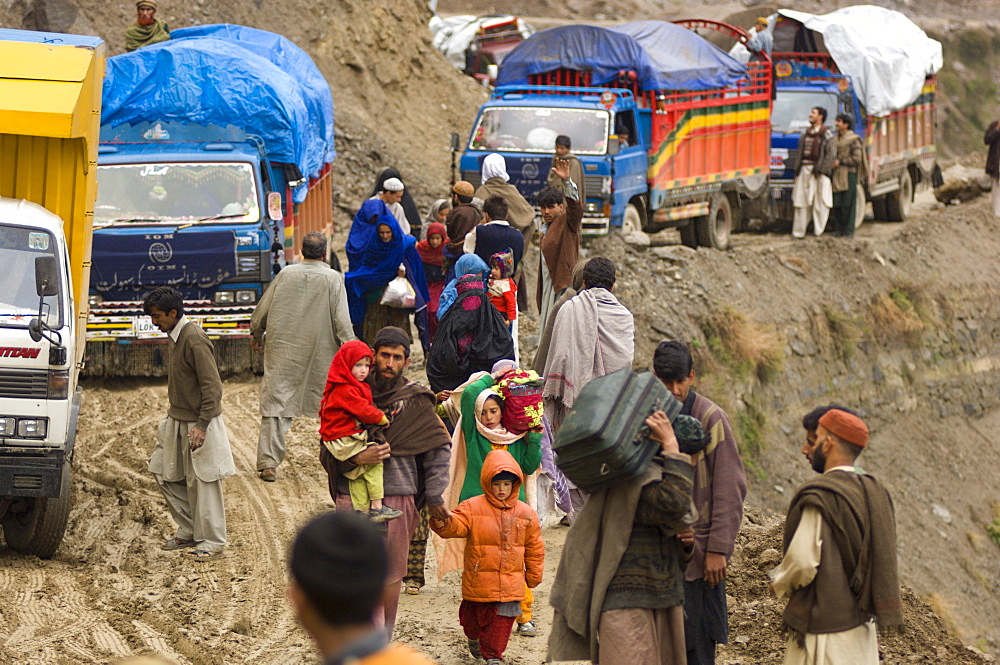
632,221
897,204
715,229
879,210
39,530
689,236
860,203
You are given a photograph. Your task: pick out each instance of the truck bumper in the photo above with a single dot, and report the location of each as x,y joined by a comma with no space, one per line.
31,475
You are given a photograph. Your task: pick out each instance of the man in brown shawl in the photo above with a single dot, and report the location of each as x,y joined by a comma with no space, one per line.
839,569
147,29
415,455
849,168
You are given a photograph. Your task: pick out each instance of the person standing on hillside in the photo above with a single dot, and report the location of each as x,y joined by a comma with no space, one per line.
562,211
812,194
850,166
719,491
337,564
147,29
192,453
992,139
415,456
563,151
839,568
300,322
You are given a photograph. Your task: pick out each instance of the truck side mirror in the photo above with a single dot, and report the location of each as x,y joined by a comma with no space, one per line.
614,147
456,142
46,276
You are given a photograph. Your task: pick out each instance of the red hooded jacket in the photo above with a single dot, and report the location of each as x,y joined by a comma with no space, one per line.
347,402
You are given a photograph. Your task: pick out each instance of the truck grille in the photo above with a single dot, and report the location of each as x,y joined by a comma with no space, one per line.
24,384
593,184
473,177
248,264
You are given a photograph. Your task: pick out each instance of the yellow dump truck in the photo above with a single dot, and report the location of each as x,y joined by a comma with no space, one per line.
50,110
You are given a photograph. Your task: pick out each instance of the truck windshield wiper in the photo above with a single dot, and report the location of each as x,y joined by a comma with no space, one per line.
129,220
214,217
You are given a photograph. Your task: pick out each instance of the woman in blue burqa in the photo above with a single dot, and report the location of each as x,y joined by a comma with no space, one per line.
377,252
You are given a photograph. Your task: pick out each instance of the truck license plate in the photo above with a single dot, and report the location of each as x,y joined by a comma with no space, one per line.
143,326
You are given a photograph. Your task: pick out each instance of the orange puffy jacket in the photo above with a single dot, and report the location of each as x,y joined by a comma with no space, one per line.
504,548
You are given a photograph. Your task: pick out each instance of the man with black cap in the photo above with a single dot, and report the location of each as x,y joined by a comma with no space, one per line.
416,454
147,29
337,564
839,569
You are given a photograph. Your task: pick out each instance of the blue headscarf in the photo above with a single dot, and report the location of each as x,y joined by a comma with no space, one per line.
467,264
374,263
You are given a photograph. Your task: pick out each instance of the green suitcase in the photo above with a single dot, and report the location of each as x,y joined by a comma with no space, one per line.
604,440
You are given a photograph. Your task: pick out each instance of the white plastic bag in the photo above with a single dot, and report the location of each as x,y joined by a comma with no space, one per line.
399,293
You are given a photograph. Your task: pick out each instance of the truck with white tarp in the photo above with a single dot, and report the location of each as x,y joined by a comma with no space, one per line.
878,67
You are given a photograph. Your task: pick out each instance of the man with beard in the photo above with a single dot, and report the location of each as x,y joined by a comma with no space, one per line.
415,455
562,212
147,29
719,490
839,568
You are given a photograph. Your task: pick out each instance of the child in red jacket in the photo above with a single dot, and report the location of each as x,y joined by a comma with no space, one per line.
346,408
504,554
503,289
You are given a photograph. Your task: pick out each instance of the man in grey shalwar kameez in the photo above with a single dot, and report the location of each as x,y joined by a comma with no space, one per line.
304,313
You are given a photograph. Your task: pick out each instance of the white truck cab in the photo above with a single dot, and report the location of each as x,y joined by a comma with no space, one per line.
39,397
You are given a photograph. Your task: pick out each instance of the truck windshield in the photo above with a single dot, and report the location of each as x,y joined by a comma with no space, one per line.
171,193
792,107
18,300
534,129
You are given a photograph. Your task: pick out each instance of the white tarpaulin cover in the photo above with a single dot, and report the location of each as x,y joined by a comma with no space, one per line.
453,34
886,55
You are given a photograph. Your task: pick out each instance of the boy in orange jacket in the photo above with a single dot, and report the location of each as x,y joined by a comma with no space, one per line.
504,552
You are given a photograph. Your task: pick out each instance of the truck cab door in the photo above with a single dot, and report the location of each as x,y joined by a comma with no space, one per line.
629,165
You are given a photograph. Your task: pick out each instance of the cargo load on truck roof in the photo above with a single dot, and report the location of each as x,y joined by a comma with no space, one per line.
663,56
222,79
887,56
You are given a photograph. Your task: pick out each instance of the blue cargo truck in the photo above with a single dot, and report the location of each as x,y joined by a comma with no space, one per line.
886,85
670,130
214,161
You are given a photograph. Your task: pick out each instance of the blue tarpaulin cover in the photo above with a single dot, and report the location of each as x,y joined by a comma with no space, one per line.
672,58
689,61
213,81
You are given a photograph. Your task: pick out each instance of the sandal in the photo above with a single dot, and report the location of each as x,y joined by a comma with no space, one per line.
205,555
176,544
412,590
268,475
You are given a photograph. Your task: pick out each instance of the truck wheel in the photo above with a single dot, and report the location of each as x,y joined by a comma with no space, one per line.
879,209
689,236
714,230
859,206
632,221
897,203
39,528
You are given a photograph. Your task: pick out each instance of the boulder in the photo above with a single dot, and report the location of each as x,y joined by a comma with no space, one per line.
963,184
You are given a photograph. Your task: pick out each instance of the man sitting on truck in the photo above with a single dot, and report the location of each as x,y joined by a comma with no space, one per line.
147,29
812,194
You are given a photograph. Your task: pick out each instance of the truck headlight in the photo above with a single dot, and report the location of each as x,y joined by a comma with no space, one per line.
7,425
223,297
246,297
59,384
32,429
95,299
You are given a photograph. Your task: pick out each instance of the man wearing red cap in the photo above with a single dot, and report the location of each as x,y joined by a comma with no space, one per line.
839,569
